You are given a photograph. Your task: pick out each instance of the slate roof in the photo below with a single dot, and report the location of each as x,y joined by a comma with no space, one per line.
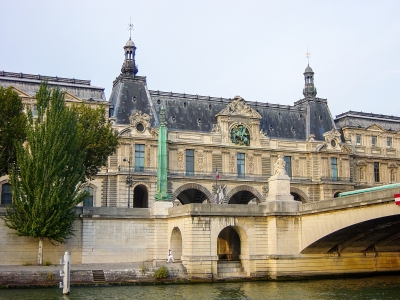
364,120
186,112
30,84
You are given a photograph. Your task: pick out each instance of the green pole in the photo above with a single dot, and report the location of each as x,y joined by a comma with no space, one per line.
162,182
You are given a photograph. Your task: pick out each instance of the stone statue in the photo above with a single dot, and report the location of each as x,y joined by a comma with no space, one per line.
220,194
279,167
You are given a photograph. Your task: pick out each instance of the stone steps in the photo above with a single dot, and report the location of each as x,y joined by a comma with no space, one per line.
230,269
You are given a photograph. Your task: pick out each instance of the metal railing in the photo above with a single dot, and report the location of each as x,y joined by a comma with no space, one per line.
44,78
337,179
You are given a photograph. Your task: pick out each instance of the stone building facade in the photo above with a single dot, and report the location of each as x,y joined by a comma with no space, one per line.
220,157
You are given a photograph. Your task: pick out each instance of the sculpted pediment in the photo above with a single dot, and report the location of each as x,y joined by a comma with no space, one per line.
375,127
20,93
71,98
238,107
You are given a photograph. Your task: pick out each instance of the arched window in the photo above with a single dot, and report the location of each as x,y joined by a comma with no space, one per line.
6,195
89,199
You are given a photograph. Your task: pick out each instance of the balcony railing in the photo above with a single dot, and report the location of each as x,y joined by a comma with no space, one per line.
337,179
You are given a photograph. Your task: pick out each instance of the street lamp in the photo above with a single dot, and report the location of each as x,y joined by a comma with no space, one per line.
128,180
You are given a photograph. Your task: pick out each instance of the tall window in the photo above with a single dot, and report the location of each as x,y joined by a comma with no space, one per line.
88,201
373,141
288,166
189,162
358,139
389,142
376,172
334,169
139,158
6,195
240,165
34,111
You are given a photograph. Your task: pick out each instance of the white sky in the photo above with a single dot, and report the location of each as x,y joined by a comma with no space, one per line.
255,49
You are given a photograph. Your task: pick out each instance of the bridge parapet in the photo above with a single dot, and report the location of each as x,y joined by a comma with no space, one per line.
368,198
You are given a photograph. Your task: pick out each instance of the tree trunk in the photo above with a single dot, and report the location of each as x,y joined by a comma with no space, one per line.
40,254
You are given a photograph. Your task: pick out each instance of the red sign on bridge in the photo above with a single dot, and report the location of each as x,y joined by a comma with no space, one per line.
397,199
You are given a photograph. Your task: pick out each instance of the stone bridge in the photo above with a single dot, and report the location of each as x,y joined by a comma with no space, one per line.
367,222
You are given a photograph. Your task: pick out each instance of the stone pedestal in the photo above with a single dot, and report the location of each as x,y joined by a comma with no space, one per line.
279,188
160,208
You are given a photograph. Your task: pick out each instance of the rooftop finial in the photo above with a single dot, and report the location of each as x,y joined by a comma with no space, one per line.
130,28
308,54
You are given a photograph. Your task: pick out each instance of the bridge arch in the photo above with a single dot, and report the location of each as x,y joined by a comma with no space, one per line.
243,188
353,229
191,186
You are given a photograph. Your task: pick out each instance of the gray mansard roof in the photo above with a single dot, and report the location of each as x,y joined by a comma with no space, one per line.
364,120
198,113
308,117
30,85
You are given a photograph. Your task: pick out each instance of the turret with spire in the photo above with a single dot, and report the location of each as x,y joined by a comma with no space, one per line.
129,67
309,88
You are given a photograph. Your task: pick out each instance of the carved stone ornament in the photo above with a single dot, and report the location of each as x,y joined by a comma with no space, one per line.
138,117
240,135
265,189
239,108
180,160
332,139
154,133
216,128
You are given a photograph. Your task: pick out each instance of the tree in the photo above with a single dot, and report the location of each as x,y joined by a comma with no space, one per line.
47,184
12,127
97,137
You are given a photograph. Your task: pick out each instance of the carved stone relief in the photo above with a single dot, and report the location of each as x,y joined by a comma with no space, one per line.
200,161
180,160
296,167
250,165
239,107
232,163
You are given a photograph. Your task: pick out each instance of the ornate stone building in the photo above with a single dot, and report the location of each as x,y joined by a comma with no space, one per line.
237,138
205,177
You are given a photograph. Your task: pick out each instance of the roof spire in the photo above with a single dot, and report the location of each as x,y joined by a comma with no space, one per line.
309,89
130,28
129,67
308,54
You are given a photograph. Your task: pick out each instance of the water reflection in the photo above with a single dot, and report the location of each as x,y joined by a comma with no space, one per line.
381,287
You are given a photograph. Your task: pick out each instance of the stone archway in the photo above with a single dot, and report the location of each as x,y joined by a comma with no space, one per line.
140,195
336,193
228,244
298,195
176,243
243,196
191,193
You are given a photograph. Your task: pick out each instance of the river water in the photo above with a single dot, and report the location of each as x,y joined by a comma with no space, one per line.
379,287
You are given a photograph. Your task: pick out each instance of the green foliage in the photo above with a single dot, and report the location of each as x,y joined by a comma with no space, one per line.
49,276
47,263
12,127
48,184
161,273
144,268
97,137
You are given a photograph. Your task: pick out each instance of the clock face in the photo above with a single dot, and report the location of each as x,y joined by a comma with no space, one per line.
333,143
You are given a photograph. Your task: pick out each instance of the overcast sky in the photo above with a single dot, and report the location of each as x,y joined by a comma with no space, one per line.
255,49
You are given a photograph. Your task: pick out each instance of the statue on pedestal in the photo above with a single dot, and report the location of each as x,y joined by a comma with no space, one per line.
279,167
